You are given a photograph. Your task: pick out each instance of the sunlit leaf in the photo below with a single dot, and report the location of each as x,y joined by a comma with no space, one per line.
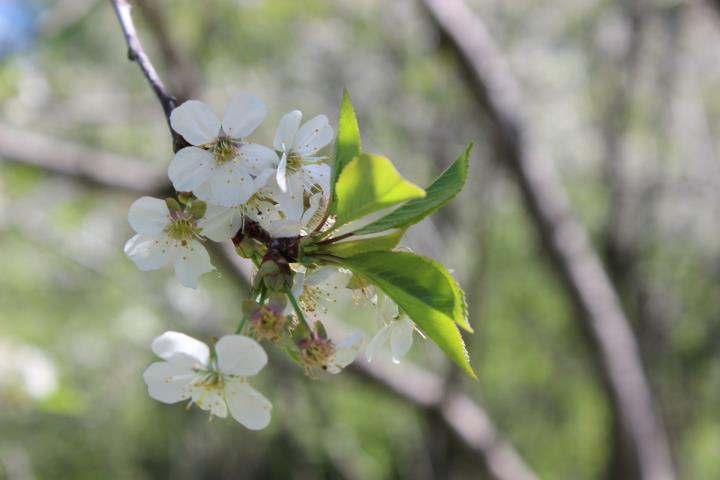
370,183
439,193
347,145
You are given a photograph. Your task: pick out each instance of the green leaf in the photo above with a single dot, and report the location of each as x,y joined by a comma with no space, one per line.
355,246
442,190
370,183
424,290
347,145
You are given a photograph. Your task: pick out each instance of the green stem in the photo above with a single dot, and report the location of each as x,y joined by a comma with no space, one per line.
240,327
296,307
335,239
253,295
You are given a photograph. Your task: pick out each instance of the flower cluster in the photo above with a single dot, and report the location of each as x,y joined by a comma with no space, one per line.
270,201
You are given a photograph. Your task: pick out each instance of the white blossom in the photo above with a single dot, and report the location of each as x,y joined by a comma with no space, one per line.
215,382
315,287
222,223
287,220
398,328
300,169
218,167
164,237
345,352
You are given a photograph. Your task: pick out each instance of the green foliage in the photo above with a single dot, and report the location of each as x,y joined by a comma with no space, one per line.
424,290
370,183
439,193
347,248
347,145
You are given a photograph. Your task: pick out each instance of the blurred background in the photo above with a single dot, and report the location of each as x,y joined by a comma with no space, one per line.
623,98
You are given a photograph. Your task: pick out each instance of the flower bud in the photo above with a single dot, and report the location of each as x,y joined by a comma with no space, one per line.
248,247
198,209
173,205
271,275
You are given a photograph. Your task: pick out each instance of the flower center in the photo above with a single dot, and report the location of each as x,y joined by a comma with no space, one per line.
181,227
315,352
224,149
268,323
310,296
212,380
294,161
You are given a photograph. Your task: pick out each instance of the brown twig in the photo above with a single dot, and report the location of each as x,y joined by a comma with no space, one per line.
578,266
183,77
137,54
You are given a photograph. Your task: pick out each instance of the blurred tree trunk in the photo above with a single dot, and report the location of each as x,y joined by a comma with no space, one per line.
578,266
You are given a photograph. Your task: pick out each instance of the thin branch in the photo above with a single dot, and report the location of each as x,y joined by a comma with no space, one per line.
576,263
137,54
183,76
463,417
78,161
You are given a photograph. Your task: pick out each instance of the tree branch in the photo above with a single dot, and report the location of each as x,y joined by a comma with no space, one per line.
578,266
137,54
78,161
183,77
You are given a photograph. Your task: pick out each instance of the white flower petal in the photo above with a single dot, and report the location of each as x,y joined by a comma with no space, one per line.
282,228
149,252
221,223
240,355
243,115
257,158
291,202
377,341
311,210
247,405
329,280
210,398
196,122
203,193
387,310
345,352
321,275
190,167
314,135
219,407
401,338
286,130
181,350
231,185
318,175
281,175
262,179
148,215
191,261
168,383
299,281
